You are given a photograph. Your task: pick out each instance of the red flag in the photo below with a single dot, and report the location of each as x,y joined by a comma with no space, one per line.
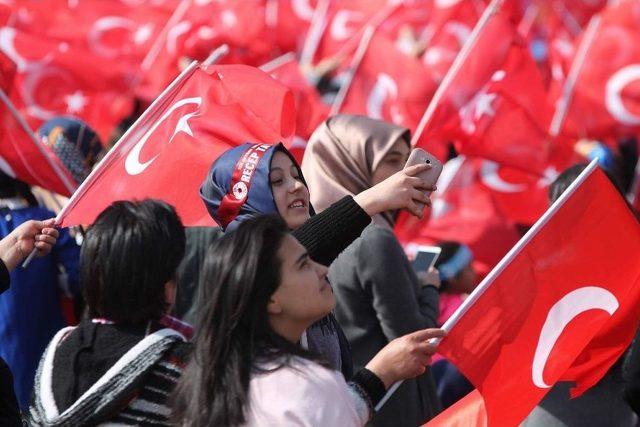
54,79
493,102
311,111
166,154
561,306
22,156
604,100
467,412
389,85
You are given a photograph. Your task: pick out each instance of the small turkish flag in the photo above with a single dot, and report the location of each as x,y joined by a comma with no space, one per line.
561,306
466,412
389,85
605,97
167,153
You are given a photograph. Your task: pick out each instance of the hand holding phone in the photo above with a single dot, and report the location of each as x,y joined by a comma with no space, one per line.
431,175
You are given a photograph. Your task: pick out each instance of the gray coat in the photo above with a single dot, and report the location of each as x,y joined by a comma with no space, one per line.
379,298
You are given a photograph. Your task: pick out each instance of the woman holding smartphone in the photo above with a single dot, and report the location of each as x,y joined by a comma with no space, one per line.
379,297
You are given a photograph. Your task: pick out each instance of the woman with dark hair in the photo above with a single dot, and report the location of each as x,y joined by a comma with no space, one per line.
119,364
262,291
379,297
256,179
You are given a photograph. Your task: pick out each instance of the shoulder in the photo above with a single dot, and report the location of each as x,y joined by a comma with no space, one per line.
301,393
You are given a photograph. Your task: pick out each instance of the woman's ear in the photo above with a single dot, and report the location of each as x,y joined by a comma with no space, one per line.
274,307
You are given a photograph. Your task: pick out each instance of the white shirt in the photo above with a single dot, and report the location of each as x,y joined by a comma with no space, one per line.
302,394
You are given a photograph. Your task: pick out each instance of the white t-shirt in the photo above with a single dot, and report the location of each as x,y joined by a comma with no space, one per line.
303,394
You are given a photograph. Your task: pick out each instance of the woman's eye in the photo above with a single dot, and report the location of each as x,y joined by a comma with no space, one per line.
276,182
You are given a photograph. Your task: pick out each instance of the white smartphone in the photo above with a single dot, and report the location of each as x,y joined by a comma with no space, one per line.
419,156
426,257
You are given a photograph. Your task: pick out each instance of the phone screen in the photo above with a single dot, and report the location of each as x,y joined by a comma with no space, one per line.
424,260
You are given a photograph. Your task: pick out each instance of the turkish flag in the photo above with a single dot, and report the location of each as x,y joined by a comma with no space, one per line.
389,85
167,153
23,157
344,24
55,79
495,105
7,73
449,27
605,98
202,27
463,210
561,306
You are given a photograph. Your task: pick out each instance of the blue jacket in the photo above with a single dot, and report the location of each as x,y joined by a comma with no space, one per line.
30,311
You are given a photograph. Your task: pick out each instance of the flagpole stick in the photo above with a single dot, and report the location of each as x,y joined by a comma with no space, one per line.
353,68
567,17
23,124
529,18
492,9
576,68
277,62
504,263
215,56
316,29
155,49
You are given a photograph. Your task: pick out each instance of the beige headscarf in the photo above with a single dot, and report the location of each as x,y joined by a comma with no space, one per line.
341,156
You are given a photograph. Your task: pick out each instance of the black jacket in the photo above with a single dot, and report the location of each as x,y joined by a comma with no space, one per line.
9,412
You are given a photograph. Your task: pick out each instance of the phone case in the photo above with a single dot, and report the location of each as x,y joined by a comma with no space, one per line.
418,156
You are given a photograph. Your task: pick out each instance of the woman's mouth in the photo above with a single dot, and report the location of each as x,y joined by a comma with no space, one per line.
297,204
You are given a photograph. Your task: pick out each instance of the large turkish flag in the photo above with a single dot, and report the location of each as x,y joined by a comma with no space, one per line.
167,153
563,305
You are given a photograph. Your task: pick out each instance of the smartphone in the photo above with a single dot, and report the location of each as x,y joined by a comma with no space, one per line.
418,156
426,257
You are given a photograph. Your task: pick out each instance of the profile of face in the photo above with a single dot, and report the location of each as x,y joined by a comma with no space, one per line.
304,294
392,162
291,196
464,282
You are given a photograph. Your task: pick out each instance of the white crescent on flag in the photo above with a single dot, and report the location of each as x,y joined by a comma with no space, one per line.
384,87
560,315
102,26
132,164
339,26
6,168
490,177
613,98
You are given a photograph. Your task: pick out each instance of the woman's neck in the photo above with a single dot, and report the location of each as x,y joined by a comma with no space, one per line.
288,329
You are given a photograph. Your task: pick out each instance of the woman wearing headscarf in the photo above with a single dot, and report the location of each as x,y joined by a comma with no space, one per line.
256,179
379,297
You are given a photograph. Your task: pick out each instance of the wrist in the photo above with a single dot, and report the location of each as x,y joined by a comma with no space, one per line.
10,254
383,374
367,202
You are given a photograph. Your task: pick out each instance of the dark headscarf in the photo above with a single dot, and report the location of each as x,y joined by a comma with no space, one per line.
259,198
74,142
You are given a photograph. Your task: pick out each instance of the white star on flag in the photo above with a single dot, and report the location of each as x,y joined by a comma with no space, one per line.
75,102
549,175
479,106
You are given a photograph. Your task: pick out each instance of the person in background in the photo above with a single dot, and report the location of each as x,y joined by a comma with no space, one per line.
14,248
277,187
379,297
261,291
604,403
457,280
30,311
122,361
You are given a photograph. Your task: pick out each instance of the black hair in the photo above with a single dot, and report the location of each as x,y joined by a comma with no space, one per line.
132,250
449,249
11,187
564,180
241,271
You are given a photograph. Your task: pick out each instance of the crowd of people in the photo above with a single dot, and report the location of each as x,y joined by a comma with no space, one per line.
302,308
